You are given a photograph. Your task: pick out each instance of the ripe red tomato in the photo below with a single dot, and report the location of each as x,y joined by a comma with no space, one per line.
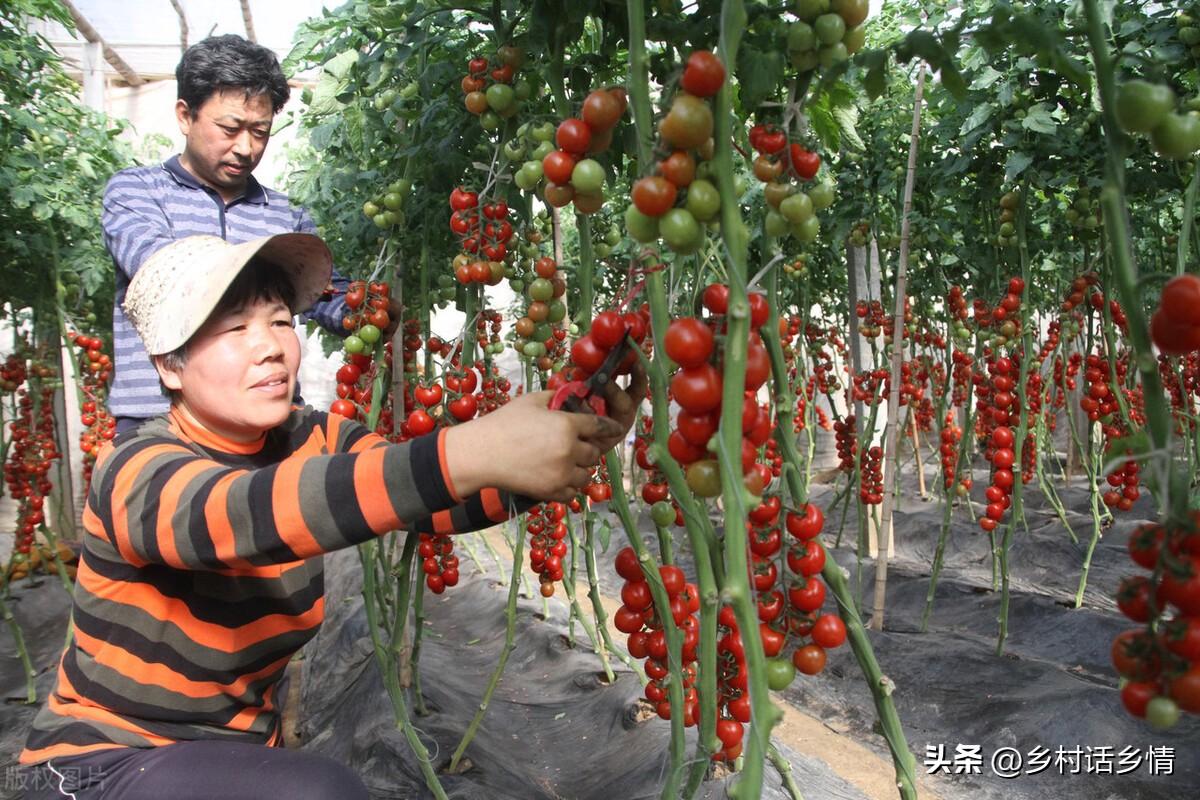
772,640
558,166
688,342
653,195
829,631
808,525
420,423
608,329
697,429
716,298
809,659
806,559
636,595
1185,690
601,110
343,408
704,74
679,168
1133,598
588,354
697,390
1181,299
627,620
674,581
805,163
464,408
627,566
574,136
808,595
1182,637
1135,696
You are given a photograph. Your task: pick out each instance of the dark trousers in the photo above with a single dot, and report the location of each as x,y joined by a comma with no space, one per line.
200,770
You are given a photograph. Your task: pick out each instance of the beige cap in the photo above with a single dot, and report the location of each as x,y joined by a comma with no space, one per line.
173,293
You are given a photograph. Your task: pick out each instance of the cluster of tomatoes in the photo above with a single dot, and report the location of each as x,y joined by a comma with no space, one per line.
845,433
697,385
368,315
685,133
98,425
870,476
1083,214
26,471
642,622
547,528
827,33
438,561
1143,107
812,632
1006,232
1175,326
664,511
539,333
12,373
609,328
487,331
996,399
1160,663
599,489
491,90
1123,487
385,209
571,176
482,230
355,382
951,435
872,318
781,166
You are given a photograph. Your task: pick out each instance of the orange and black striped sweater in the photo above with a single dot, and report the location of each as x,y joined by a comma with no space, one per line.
201,573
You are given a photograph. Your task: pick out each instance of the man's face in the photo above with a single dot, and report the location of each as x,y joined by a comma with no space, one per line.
240,371
225,139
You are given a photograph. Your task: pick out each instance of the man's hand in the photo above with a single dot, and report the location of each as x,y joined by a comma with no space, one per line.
526,448
623,404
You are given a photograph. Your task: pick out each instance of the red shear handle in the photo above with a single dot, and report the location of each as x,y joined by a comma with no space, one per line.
577,396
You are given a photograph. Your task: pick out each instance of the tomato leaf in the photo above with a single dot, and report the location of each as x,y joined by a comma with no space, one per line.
759,75
1038,119
604,535
1016,164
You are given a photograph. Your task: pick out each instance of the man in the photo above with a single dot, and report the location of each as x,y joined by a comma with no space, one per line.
229,92
201,573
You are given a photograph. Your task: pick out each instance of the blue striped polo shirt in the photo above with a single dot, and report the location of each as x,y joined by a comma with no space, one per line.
148,207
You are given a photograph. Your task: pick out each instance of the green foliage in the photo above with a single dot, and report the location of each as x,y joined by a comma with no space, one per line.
55,157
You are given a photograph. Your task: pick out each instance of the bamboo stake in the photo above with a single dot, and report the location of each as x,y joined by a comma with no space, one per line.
916,438
890,450
111,56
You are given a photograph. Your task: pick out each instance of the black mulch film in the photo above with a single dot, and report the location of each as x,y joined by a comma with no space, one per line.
555,729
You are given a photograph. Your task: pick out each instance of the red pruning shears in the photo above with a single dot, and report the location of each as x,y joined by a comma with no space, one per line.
588,395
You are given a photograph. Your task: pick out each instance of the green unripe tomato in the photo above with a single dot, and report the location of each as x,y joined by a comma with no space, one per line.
1177,136
775,225
703,200
410,90
533,169
704,478
829,28
522,90
808,230
544,132
602,250
524,182
369,333
371,209
780,673
796,208
834,54
808,10
680,230
534,349
557,312
392,201
541,151
1162,713
663,514
801,38
517,285
588,176
612,237
805,61
382,220
541,289
490,120
641,227
514,150
352,344
854,39
541,332
821,195
1142,105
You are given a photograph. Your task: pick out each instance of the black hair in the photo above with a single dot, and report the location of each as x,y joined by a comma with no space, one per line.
230,62
259,281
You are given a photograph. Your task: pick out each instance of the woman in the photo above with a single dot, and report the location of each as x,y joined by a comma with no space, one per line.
201,573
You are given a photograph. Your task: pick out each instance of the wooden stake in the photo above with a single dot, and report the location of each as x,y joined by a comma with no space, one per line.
891,448
111,56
